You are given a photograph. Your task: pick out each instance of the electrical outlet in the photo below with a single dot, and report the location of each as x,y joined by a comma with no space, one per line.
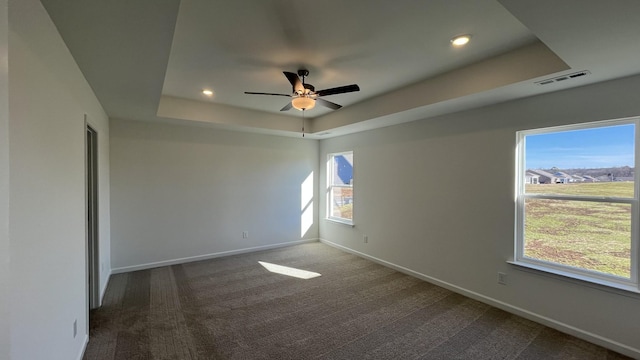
75,328
365,239
502,278
245,234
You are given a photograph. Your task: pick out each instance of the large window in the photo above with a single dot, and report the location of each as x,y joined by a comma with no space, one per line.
340,187
577,202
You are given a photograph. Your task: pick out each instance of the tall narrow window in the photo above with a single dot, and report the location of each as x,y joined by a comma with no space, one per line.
340,187
577,201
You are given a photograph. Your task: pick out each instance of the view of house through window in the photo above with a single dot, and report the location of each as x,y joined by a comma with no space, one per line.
577,200
340,187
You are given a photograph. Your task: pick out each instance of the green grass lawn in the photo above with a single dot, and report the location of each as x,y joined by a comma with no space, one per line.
623,189
590,235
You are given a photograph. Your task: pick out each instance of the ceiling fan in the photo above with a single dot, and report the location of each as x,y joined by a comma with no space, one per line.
305,96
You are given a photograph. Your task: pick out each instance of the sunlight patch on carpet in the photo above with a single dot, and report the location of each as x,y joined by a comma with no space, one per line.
289,271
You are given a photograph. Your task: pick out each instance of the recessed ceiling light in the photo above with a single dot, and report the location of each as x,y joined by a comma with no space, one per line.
460,40
207,92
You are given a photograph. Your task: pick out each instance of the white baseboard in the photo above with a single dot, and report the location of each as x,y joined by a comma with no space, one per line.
152,265
84,347
104,288
565,328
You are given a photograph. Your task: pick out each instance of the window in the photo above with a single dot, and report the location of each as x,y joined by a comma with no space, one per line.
577,202
340,187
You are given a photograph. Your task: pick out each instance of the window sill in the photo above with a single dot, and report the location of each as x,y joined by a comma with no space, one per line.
592,282
341,221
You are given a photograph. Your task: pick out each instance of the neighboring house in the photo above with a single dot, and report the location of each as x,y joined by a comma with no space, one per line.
588,178
344,169
531,178
578,178
562,178
543,176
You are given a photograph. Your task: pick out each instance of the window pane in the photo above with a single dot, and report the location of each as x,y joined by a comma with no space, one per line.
588,235
342,202
590,162
342,169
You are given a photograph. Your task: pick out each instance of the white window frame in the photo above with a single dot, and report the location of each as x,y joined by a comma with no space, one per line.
331,186
631,284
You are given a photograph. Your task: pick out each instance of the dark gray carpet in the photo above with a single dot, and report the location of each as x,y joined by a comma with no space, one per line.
233,308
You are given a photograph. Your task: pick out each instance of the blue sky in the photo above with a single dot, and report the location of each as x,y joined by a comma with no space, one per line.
588,148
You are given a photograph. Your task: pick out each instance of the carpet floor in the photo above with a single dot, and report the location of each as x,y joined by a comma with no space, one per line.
234,308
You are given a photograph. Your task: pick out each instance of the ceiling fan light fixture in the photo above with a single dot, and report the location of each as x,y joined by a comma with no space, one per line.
303,103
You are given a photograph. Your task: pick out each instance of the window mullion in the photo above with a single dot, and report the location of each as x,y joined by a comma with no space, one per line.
600,199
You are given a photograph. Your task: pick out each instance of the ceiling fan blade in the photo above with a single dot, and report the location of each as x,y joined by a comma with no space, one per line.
286,107
328,104
263,93
338,90
295,81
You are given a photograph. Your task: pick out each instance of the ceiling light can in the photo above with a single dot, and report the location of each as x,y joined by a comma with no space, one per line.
461,40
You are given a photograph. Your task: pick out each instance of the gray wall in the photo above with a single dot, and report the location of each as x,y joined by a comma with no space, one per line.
48,100
4,184
436,197
186,193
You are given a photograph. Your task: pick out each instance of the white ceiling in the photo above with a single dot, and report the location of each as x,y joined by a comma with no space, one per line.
150,59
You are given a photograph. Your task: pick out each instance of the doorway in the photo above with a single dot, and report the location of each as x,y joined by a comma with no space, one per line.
93,259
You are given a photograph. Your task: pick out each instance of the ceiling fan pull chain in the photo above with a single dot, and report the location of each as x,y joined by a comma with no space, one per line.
302,122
